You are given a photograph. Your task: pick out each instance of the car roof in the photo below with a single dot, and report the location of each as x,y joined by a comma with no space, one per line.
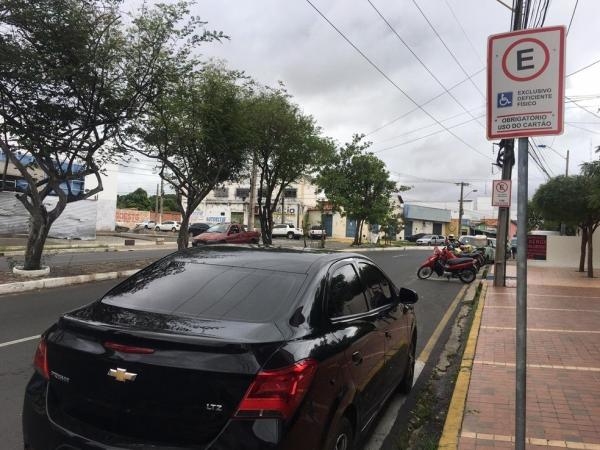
276,259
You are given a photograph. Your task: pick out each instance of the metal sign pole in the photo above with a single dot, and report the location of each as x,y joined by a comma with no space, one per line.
521,310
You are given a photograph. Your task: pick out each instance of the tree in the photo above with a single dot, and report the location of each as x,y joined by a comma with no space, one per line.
196,130
137,199
286,145
71,75
358,185
566,199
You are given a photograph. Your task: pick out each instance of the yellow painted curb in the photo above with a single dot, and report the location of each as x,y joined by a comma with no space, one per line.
452,426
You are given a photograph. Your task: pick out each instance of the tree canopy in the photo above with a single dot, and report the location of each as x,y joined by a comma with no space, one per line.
358,185
196,129
286,144
71,75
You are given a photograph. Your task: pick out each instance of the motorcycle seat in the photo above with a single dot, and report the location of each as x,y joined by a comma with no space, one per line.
454,261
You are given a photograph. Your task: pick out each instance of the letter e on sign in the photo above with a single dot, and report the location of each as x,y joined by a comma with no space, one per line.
526,83
501,192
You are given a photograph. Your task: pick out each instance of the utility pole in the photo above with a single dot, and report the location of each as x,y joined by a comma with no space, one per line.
162,194
461,210
563,226
156,204
506,157
567,168
252,197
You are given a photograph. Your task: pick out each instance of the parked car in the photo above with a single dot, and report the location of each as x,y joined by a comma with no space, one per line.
146,224
431,239
227,233
169,225
414,237
286,230
226,348
198,228
317,232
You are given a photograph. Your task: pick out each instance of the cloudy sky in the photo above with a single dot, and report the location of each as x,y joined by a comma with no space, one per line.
276,40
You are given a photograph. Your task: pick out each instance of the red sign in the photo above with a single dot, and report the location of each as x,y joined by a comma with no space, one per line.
536,247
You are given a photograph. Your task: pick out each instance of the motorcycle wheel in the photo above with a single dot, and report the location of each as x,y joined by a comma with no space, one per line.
467,276
424,272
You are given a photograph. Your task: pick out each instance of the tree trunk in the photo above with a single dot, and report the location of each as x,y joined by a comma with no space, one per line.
583,249
362,222
38,232
264,225
590,255
356,233
183,236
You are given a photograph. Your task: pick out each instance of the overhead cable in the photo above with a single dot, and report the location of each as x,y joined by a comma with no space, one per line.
376,67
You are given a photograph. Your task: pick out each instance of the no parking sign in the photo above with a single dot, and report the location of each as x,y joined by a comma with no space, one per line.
501,191
525,89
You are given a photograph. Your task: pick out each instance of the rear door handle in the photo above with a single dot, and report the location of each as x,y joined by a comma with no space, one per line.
388,335
357,358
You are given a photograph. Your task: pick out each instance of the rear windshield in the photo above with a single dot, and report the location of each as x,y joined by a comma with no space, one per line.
195,289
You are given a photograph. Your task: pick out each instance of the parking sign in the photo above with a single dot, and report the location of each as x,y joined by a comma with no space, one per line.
525,88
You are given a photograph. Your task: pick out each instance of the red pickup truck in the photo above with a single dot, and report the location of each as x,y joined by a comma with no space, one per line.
227,233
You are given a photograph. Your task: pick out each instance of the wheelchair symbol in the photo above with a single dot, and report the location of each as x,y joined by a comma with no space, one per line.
505,99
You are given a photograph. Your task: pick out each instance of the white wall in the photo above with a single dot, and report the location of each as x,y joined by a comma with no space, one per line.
564,251
107,198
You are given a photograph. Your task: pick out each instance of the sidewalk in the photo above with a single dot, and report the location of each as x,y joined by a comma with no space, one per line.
563,365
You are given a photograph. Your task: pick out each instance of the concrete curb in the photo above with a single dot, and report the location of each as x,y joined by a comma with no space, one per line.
23,286
454,418
385,249
101,249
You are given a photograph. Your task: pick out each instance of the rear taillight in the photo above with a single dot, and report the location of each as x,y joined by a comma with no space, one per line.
40,360
277,393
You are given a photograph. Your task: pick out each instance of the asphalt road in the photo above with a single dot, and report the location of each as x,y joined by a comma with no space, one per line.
28,314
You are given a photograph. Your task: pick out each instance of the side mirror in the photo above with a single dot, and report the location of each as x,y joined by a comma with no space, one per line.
407,296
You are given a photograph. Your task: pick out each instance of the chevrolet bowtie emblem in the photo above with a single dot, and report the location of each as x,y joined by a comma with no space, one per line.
121,375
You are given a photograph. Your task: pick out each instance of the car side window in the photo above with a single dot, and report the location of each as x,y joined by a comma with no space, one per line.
234,229
378,285
346,295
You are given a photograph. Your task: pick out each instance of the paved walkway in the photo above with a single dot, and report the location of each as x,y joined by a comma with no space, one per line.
563,366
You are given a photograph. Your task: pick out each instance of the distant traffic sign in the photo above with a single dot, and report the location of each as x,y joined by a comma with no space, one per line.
525,88
501,192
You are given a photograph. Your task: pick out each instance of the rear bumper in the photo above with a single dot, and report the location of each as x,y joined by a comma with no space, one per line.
41,433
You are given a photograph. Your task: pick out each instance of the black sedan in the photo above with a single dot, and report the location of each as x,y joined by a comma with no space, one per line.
198,228
225,348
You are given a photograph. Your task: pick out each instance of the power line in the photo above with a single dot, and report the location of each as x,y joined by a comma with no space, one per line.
376,67
584,68
572,16
446,47
464,32
420,60
426,136
403,115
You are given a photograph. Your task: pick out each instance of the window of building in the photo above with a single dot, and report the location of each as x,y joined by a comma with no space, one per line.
290,193
221,192
242,192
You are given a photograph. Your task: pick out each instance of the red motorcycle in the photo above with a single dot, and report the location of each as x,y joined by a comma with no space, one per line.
445,264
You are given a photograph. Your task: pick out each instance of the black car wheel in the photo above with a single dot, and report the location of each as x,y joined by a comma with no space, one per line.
409,374
342,437
290,235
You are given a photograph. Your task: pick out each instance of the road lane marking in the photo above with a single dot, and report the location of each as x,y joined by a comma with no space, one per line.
388,418
18,341
574,297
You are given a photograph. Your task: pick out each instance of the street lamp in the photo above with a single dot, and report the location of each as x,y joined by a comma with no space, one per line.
462,184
